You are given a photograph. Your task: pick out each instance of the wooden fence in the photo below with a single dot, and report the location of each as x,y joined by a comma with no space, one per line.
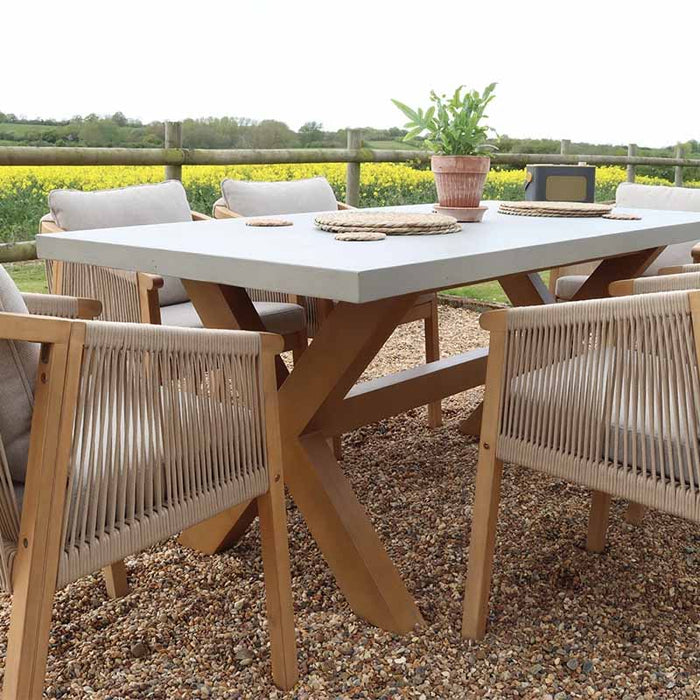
174,156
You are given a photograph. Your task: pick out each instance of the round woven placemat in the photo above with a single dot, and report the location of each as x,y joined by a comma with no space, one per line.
562,209
268,222
622,216
550,214
360,236
390,223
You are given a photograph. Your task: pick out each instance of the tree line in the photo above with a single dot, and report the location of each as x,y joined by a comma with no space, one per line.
117,130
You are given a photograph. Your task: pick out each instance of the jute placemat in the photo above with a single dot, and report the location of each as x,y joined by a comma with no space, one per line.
390,223
268,222
562,209
360,236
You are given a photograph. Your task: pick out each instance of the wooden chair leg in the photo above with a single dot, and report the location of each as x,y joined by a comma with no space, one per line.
278,587
482,544
598,521
432,354
337,445
471,425
635,513
221,532
300,346
25,661
115,579
37,562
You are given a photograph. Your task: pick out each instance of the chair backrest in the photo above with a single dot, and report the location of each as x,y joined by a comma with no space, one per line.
636,196
161,203
249,198
18,364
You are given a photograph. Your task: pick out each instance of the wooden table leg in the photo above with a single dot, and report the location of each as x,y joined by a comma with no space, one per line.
345,535
345,344
526,289
613,269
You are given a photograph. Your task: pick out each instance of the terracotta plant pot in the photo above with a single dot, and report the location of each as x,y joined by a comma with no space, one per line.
460,180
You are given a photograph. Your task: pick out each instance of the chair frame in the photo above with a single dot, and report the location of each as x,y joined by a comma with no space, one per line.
425,309
36,564
149,286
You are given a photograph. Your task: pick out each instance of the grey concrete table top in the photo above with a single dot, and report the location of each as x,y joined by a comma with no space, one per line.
303,260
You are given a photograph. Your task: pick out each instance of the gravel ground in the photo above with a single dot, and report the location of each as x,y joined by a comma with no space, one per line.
564,623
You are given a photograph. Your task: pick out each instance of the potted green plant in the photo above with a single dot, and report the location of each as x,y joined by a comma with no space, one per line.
455,131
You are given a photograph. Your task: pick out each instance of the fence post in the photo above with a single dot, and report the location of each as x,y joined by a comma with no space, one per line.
352,177
631,169
173,139
565,147
678,169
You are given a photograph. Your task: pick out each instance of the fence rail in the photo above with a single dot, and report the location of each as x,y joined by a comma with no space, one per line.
173,157
29,155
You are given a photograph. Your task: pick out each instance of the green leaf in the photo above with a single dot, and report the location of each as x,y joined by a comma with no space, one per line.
406,110
452,125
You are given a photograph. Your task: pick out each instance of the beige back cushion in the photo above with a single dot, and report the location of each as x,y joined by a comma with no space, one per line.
287,197
635,196
162,203
18,365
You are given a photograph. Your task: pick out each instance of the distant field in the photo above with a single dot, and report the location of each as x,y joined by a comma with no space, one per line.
11,134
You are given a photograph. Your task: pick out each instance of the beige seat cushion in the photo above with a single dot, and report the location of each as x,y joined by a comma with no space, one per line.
278,317
270,198
568,285
18,365
161,203
633,196
221,202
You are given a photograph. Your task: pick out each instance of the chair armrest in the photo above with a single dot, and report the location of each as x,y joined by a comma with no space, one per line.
223,212
35,329
695,252
148,281
198,216
62,306
343,206
662,283
678,269
50,227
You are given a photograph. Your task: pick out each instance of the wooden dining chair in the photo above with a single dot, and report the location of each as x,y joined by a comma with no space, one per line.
248,198
116,436
134,296
564,282
602,393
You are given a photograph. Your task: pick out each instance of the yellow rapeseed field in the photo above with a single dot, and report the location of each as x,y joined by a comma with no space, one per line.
23,190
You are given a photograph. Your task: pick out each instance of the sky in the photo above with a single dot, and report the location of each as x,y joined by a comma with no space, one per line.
604,72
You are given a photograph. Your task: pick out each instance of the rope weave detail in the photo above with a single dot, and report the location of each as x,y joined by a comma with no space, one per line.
116,289
51,305
605,393
169,431
667,283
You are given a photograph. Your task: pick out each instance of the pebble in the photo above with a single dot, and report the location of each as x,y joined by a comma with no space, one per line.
139,650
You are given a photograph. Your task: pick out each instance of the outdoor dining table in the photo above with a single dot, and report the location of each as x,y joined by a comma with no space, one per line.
374,284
